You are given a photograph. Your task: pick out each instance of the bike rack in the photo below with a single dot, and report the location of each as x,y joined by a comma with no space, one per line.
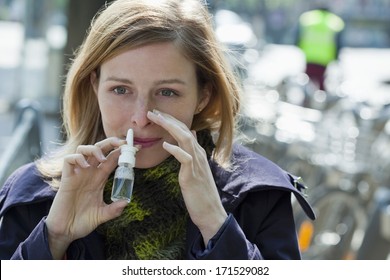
385,216
25,143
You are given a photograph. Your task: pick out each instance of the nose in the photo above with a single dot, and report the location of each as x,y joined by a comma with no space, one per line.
140,109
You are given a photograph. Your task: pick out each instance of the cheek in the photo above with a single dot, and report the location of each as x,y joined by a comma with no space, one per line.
186,117
188,120
183,113
112,117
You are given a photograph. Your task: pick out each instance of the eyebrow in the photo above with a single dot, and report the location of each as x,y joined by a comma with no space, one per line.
160,82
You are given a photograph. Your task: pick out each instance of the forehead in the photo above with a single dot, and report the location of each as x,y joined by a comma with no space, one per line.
158,57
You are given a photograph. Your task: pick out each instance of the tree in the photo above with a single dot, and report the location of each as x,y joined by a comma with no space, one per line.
80,14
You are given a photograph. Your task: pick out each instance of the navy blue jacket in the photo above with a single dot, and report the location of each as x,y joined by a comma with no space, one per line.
257,196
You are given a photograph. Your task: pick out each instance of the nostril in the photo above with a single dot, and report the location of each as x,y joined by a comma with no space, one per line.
141,106
140,119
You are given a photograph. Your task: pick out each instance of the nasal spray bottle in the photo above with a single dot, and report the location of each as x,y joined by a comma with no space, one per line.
122,187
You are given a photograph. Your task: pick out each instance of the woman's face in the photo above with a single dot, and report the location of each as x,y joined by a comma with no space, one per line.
139,80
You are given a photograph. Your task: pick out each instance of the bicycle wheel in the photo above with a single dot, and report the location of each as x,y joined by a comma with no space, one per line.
376,241
337,232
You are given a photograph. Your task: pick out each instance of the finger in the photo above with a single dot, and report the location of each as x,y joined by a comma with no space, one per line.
179,131
111,163
182,156
93,153
164,119
113,210
73,160
77,159
109,144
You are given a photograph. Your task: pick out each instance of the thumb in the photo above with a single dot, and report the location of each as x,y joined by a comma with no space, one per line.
113,210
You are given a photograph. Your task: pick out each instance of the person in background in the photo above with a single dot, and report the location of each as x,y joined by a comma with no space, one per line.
319,37
154,67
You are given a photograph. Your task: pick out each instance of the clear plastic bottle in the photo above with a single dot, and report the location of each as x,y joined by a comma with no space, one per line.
122,187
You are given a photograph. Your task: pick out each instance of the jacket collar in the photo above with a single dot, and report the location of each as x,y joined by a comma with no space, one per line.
251,172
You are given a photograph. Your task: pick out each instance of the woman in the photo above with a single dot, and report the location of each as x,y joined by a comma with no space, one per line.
155,67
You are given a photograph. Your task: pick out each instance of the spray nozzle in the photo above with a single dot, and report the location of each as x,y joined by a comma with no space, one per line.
128,150
129,137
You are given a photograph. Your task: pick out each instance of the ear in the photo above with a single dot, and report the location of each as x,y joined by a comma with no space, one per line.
94,81
204,98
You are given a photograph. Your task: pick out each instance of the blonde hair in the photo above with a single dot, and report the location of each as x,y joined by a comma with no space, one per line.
126,24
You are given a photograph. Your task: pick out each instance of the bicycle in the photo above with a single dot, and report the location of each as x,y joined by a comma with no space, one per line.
376,241
352,209
336,164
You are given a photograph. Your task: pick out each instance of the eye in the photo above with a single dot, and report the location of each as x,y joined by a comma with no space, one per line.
168,92
120,90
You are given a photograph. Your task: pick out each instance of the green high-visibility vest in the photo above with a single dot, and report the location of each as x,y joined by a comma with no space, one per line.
318,31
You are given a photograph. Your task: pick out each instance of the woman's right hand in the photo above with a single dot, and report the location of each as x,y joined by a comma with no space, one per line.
78,207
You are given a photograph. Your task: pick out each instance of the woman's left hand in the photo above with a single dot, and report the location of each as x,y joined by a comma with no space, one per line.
195,178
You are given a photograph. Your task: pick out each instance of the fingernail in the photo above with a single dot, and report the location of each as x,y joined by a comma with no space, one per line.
156,112
116,141
138,147
151,113
86,164
166,144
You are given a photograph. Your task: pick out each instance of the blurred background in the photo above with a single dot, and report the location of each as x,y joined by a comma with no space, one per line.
336,139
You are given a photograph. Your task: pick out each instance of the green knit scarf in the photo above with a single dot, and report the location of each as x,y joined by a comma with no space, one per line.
153,225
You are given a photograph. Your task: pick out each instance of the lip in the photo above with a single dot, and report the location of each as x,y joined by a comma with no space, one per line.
146,142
